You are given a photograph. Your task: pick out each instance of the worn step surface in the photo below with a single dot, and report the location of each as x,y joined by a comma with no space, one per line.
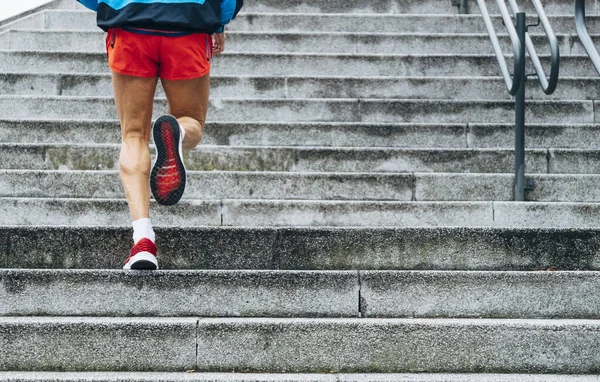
305,159
400,7
299,345
308,41
325,134
214,185
303,213
375,132
288,377
307,64
302,22
324,248
180,293
426,294
576,88
317,110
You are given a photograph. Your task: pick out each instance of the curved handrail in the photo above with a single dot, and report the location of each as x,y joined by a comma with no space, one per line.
584,37
512,82
548,86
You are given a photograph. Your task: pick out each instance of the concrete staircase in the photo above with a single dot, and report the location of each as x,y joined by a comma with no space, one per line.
349,216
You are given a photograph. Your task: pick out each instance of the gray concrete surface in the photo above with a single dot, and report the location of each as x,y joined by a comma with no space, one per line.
398,345
573,136
179,293
457,87
317,248
480,294
97,344
215,185
393,7
275,64
306,41
302,213
315,110
287,377
94,212
355,214
263,100
298,22
325,134
296,159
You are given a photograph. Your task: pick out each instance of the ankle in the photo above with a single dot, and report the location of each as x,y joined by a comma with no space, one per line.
142,228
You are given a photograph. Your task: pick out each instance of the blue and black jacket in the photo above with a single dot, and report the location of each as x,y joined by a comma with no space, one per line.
201,16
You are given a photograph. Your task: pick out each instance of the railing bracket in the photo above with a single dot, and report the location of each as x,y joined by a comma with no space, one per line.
539,22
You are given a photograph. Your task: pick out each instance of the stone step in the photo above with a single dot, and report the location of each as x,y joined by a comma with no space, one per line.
302,22
457,88
428,187
322,22
315,110
306,159
298,345
407,135
305,213
410,294
180,293
279,186
273,133
303,248
255,377
298,64
401,7
300,42
215,186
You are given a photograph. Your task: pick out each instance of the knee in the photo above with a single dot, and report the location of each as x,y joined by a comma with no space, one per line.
193,132
192,139
135,155
135,131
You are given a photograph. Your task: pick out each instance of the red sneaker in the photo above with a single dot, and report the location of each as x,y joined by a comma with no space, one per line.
168,177
143,256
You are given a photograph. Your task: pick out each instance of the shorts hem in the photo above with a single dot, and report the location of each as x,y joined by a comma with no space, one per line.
132,73
186,77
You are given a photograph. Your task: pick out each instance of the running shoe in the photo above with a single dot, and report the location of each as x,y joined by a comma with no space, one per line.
168,177
143,256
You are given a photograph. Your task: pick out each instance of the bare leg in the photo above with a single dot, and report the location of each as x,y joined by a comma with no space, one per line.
134,98
188,102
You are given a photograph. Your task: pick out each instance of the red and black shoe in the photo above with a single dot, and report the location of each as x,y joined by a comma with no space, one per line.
143,256
168,177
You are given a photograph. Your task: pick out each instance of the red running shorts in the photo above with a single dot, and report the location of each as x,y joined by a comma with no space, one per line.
168,57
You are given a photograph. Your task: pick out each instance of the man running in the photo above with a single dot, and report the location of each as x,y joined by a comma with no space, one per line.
173,40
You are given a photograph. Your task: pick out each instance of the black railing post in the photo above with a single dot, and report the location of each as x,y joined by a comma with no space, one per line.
463,6
520,116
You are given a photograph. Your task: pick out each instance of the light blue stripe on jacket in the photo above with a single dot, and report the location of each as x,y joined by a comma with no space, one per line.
91,4
227,10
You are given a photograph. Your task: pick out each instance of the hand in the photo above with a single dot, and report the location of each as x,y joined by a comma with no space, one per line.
218,43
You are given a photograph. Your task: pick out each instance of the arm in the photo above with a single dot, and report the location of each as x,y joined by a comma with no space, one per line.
229,9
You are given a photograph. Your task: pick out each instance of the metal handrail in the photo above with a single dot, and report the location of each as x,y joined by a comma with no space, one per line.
516,86
548,86
512,81
584,37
